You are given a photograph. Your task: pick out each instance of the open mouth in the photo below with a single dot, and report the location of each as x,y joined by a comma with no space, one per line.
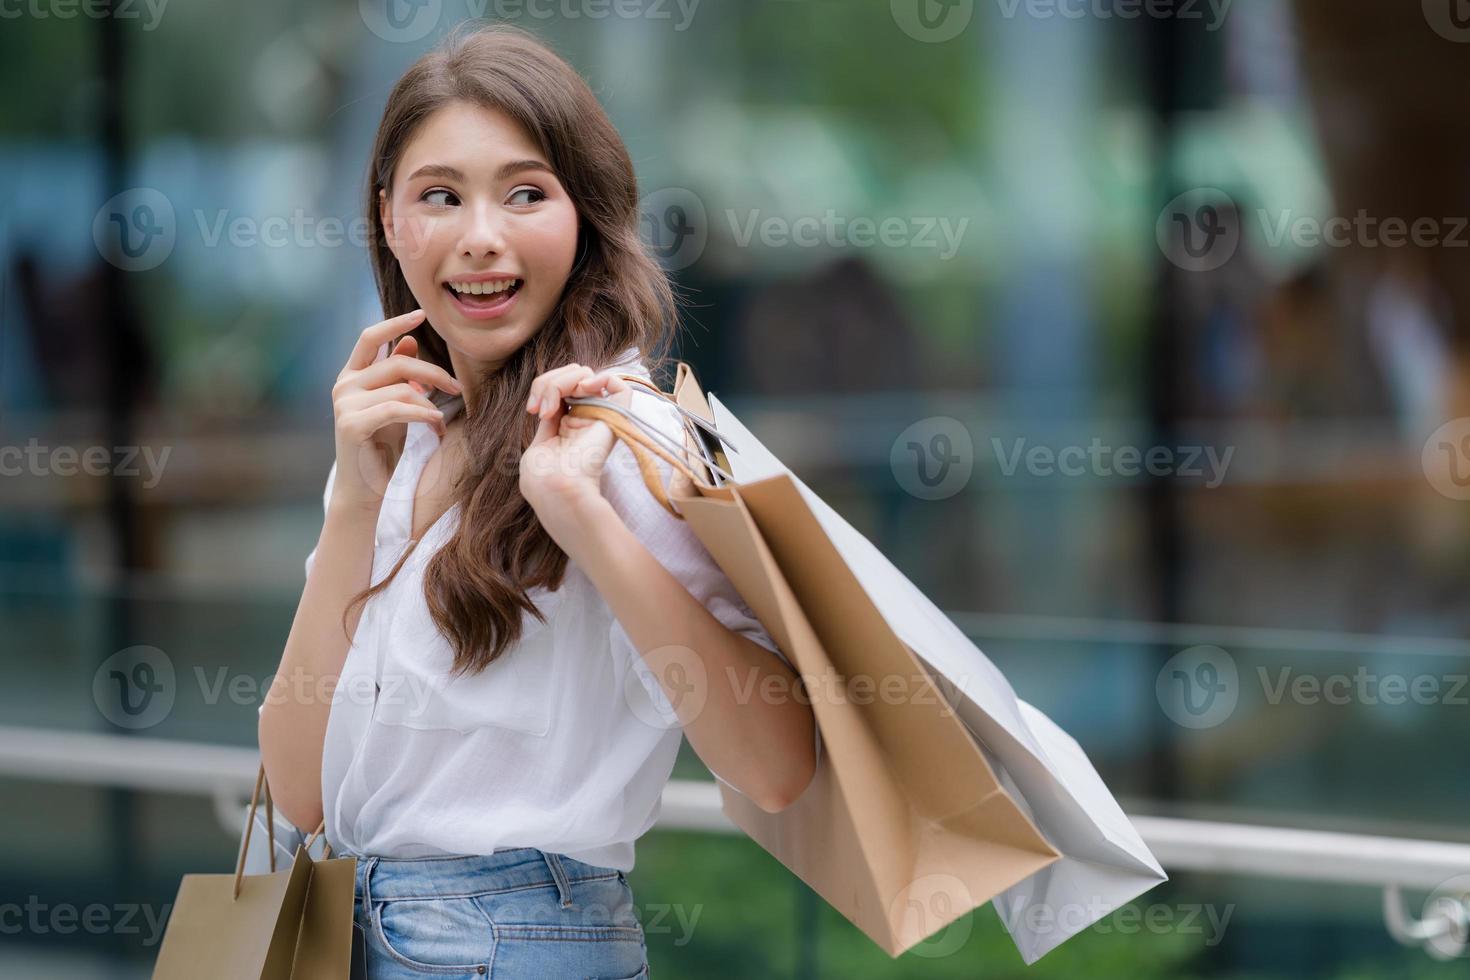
484,298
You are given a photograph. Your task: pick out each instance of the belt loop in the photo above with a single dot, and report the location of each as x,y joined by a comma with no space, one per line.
559,875
367,876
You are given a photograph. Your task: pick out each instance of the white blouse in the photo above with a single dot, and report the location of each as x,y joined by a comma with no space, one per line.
564,743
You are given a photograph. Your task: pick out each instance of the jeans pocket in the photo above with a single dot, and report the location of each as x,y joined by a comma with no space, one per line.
439,936
642,974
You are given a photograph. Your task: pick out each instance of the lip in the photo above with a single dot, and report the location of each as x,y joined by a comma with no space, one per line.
480,277
497,309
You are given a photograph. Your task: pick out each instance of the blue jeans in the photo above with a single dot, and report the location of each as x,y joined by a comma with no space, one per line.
517,914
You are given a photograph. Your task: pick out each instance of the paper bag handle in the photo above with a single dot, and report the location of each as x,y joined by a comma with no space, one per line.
631,430
641,445
692,420
270,825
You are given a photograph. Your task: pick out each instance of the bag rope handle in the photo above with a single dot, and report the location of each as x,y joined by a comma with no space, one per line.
261,783
629,429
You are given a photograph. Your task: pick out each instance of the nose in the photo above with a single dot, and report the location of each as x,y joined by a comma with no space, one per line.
483,235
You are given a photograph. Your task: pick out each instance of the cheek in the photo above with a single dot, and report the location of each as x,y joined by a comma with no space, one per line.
421,242
551,241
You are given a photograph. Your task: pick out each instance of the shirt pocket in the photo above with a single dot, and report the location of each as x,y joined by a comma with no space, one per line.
416,689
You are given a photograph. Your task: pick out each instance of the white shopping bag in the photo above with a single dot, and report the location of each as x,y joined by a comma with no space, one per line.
1104,862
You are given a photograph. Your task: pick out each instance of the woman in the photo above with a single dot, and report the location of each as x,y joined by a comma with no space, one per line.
479,726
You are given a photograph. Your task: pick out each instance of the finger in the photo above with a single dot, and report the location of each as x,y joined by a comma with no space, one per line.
594,385
369,420
375,336
409,346
545,429
565,387
404,368
540,394
620,391
551,387
403,391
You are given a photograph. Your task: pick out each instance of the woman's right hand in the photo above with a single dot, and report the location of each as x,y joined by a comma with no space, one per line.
373,402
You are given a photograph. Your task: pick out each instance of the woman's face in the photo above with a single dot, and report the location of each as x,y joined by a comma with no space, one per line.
484,232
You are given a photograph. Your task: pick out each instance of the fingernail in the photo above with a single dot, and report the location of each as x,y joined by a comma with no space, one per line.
531,403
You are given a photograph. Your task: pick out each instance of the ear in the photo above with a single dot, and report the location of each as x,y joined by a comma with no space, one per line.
385,214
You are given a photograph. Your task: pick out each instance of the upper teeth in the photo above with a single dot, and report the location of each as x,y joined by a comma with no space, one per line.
497,286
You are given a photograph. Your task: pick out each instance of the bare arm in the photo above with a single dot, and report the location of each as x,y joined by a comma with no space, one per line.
293,723
745,719
373,401
760,744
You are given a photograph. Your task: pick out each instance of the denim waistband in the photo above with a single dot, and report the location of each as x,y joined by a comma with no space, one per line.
459,876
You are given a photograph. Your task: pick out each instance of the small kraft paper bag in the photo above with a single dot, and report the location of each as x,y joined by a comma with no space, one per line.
295,923
926,805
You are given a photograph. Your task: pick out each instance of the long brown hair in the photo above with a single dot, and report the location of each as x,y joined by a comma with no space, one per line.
616,297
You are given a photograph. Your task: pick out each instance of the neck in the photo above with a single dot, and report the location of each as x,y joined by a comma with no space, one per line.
471,374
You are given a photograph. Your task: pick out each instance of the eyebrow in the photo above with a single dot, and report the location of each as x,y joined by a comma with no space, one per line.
506,170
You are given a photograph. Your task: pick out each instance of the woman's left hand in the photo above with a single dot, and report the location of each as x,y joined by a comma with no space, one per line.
563,465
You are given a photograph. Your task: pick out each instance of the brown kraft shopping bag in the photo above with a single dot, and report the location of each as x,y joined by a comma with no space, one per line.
905,827
291,924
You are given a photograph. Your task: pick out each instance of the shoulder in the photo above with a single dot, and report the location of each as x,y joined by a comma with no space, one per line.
652,408
622,481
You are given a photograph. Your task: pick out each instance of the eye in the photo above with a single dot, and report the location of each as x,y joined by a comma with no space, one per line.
527,190
439,197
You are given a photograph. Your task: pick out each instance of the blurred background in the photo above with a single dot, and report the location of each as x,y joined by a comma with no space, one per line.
1136,332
